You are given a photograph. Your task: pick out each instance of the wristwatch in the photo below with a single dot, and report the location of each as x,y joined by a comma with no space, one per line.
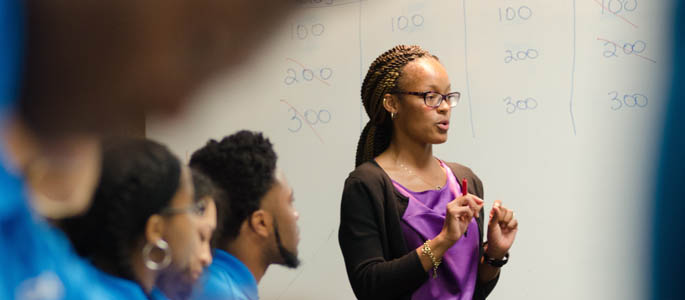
497,263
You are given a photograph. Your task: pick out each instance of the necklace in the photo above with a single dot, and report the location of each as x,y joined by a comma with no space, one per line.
421,178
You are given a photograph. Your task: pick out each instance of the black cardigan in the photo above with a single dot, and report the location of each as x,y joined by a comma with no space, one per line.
379,265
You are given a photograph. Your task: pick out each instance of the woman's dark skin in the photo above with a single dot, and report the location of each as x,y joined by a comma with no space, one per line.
409,160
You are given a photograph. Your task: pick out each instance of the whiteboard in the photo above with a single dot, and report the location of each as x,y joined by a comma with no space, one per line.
561,102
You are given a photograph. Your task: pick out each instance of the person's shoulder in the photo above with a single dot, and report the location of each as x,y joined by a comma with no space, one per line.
217,283
54,264
460,169
226,268
230,285
228,276
367,170
368,173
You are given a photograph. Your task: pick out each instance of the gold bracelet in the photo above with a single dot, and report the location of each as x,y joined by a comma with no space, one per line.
428,252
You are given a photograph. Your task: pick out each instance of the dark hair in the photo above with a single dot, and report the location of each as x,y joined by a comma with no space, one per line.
242,165
202,185
381,79
139,178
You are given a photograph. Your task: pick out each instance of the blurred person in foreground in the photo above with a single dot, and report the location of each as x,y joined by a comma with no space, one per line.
669,212
73,71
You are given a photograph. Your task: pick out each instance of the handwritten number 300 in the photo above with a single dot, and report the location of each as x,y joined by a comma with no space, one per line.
634,100
312,117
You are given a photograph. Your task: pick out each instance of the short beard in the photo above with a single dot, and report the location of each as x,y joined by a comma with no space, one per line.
290,259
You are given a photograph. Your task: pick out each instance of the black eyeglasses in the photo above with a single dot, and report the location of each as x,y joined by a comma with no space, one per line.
197,208
434,99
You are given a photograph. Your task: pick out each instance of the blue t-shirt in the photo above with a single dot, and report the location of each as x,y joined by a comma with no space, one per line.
157,294
226,278
37,260
120,288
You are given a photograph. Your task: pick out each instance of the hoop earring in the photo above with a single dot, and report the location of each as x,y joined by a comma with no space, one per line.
392,115
149,262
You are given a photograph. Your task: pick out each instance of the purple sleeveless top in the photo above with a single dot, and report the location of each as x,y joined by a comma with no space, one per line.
423,220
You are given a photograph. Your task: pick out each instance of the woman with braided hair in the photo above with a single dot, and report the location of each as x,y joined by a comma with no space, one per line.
407,230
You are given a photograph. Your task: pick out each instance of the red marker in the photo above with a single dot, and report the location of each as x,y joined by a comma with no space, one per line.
464,191
464,187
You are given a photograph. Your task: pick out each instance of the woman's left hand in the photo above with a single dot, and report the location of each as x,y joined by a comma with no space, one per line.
502,230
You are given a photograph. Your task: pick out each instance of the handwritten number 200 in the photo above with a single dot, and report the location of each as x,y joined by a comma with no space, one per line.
628,48
520,55
307,74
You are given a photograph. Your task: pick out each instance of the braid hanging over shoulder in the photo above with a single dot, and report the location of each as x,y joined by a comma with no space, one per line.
382,79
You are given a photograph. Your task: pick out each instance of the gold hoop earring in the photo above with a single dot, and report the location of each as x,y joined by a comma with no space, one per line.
392,115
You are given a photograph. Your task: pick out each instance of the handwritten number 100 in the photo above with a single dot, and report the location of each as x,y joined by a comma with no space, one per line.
404,23
618,6
302,32
511,13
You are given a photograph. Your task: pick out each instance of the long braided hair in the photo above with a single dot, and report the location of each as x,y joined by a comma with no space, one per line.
381,79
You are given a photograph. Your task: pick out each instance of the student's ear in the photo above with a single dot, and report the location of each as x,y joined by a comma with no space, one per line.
261,222
154,228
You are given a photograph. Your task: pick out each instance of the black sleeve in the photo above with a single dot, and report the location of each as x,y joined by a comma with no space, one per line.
484,289
362,236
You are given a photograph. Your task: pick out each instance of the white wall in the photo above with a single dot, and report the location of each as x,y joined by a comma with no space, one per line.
573,168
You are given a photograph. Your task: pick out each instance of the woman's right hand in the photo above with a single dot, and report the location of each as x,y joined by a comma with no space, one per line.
459,213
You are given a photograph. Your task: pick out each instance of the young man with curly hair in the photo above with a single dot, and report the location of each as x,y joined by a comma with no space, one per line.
257,220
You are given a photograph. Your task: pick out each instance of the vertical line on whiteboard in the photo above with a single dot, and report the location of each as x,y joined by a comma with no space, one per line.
573,71
466,66
361,106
